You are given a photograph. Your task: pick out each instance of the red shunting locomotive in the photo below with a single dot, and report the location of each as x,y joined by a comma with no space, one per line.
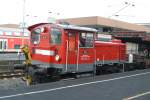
59,49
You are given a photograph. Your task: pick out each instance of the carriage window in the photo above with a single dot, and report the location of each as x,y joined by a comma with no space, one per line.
86,39
35,36
55,36
1,33
26,34
16,46
17,33
8,33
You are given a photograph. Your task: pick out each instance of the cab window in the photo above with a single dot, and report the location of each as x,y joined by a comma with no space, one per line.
35,36
86,39
55,34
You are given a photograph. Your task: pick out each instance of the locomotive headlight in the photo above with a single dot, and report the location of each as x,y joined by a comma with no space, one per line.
57,57
35,42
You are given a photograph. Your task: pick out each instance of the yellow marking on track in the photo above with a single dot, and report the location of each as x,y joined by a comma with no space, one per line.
5,78
12,74
14,78
4,75
19,73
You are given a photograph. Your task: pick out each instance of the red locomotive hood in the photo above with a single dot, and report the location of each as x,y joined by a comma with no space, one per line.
30,28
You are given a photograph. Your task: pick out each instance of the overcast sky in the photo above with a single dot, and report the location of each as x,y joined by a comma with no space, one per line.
11,11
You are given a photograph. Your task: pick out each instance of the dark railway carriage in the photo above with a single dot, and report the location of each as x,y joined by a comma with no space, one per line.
60,49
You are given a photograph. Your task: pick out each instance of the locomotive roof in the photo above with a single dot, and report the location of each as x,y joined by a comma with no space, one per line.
73,27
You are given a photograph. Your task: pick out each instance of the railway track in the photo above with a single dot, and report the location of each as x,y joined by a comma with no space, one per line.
11,74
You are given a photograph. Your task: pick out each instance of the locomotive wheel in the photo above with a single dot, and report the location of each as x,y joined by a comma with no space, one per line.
98,70
56,77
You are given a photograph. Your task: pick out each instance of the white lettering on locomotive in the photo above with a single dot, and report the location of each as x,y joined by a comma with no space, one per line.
44,52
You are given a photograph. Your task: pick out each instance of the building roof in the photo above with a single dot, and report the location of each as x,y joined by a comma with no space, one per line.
144,24
96,20
9,25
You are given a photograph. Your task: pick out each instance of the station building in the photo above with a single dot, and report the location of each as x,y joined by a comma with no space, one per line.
136,37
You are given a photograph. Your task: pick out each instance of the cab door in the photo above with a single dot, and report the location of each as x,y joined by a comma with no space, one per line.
86,52
72,51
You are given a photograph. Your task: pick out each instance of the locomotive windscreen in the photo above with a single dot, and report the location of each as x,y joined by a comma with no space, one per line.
35,36
55,34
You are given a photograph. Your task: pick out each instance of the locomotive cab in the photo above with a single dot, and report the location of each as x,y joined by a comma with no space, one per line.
61,49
